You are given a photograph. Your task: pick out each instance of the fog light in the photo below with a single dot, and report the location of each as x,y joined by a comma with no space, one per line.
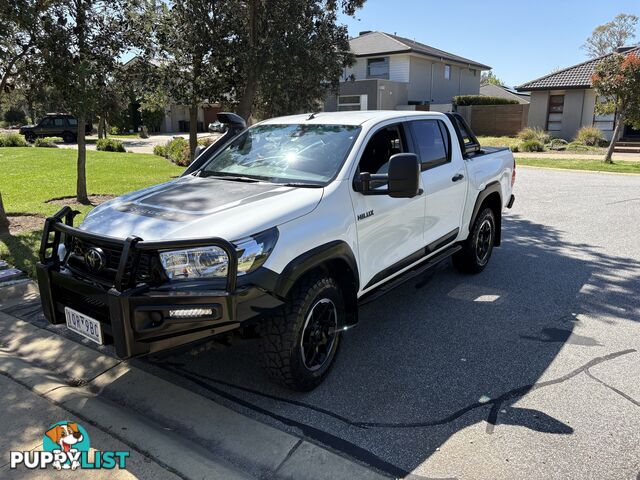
191,313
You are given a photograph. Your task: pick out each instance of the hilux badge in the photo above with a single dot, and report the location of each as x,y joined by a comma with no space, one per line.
95,259
364,215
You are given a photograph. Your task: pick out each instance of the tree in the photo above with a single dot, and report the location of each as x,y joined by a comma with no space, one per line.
290,54
191,57
617,78
81,46
19,21
608,37
490,78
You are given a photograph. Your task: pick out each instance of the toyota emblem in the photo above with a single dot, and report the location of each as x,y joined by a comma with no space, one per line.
95,259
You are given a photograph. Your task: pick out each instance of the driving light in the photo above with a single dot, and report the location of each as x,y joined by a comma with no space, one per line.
212,262
191,313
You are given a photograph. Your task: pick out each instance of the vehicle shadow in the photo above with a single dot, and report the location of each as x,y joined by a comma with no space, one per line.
440,353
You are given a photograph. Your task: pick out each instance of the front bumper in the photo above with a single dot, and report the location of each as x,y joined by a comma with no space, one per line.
135,316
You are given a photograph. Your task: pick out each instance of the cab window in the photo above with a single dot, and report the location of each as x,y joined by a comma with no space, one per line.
381,147
432,142
45,122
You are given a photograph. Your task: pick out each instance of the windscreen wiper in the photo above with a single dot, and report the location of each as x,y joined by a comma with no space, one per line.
301,184
232,178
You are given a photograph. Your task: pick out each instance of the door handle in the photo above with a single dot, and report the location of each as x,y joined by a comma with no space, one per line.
457,177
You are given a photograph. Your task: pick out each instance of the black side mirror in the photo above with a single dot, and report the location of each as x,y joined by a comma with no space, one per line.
403,179
404,175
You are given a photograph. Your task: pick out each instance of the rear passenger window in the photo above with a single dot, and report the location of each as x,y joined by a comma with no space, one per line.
72,121
59,122
432,142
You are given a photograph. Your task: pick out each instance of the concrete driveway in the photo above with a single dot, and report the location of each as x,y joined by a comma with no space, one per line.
141,145
528,370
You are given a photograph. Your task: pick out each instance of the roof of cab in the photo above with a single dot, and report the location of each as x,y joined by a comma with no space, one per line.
358,117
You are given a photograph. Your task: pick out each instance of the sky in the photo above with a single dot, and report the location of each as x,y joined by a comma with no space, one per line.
520,40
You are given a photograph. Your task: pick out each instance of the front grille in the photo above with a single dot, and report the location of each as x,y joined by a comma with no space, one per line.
148,269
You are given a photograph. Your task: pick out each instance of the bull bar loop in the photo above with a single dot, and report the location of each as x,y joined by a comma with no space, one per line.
131,248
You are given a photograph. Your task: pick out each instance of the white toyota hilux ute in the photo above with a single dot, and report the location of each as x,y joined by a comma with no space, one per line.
282,229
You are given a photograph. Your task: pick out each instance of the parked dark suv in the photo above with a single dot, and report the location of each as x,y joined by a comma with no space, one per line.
54,125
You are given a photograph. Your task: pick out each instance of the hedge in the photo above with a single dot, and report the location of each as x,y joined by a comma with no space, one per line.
465,100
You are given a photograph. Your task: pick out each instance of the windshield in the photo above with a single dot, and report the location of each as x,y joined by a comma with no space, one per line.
285,153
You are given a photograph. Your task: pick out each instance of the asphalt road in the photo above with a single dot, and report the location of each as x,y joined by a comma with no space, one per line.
528,370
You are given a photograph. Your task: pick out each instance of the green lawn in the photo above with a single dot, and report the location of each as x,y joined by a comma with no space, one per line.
31,176
581,164
499,141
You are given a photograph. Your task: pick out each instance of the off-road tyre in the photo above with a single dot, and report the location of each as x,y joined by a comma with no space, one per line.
476,250
282,333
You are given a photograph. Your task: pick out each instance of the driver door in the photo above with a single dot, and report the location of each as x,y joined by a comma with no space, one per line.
389,229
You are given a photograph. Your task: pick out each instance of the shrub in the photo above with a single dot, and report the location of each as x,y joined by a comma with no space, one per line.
47,142
534,134
12,140
557,144
532,146
590,136
464,100
205,141
160,150
578,147
15,116
178,151
110,145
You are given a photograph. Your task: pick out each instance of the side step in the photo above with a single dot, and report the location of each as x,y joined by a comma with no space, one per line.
408,275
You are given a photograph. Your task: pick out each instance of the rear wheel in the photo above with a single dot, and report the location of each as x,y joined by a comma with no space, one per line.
476,250
300,343
68,137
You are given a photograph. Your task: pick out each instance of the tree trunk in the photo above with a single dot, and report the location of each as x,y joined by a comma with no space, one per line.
245,105
81,181
81,185
4,220
193,130
614,139
102,127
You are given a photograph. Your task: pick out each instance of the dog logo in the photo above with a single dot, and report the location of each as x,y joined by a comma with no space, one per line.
95,259
68,438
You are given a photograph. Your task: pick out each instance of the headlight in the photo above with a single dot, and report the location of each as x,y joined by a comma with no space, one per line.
212,262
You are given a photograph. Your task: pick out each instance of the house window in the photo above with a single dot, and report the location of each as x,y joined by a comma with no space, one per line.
554,116
378,68
352,102
604,122
447,72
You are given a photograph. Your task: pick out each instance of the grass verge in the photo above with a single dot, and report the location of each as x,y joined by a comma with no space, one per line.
580,164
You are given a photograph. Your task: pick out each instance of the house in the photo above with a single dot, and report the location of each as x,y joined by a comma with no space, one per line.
176,116
395,73
502,91
564,101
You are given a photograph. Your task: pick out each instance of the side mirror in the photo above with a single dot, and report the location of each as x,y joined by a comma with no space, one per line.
404,175
403,179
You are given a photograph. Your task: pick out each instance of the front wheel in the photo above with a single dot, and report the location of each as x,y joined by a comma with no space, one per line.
30,137
300,342
476,250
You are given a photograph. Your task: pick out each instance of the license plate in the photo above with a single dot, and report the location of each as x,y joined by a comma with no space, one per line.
84,325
